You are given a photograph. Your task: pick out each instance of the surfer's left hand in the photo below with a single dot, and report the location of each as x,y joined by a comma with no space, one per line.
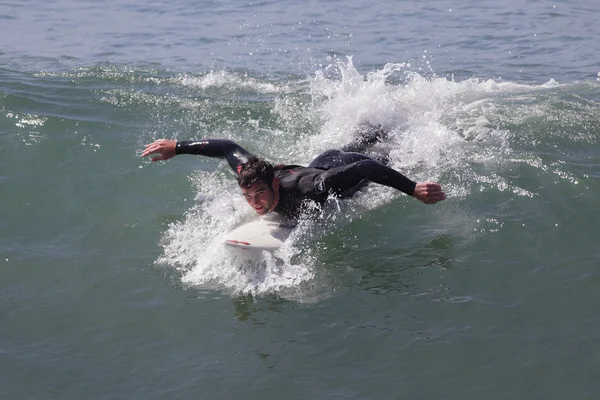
429,192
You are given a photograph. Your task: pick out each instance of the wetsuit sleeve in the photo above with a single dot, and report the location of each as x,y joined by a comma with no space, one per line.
235,154
340,179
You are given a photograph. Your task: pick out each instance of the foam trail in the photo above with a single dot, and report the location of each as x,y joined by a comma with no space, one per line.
440,130
195,247
437,126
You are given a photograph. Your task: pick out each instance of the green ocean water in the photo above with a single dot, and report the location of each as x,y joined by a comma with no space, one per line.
114,282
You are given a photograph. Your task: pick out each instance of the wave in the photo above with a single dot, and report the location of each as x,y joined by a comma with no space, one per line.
485,140
469,135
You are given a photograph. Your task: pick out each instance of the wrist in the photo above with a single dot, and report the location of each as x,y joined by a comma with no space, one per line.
412,188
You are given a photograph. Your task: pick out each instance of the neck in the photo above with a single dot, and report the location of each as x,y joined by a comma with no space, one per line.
276,201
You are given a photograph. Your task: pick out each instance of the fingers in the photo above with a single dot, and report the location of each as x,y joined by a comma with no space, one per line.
158,146
431,187
430,193
152,148
164,148
434,199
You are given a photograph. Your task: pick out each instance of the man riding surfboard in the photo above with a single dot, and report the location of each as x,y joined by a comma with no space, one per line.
285,189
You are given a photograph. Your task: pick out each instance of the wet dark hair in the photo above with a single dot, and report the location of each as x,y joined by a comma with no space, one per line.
254,170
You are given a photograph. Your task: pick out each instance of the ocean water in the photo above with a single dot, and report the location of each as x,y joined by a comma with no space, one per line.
115,284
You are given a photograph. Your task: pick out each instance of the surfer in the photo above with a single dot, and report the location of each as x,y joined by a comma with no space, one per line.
285,189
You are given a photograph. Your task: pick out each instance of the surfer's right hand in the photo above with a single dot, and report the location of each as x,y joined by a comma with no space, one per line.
164,147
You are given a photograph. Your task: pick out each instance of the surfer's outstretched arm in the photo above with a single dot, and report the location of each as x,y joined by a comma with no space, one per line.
341,179
235,154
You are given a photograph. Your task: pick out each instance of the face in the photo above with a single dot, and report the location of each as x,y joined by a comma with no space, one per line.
261,197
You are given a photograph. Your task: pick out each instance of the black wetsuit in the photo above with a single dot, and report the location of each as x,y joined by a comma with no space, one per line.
334,172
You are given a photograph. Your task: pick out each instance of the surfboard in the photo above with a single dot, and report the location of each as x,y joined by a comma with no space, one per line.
266,233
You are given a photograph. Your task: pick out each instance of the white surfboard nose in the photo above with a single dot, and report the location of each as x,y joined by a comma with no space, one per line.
267,233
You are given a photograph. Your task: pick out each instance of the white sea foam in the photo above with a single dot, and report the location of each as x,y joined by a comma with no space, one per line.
438,129
437,126
230,81
195,247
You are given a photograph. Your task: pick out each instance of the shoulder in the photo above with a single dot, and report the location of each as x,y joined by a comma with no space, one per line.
283,169
286,167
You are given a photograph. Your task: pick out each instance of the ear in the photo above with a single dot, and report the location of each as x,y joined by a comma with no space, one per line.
275,184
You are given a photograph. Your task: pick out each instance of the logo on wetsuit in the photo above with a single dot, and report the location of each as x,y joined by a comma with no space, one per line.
320,186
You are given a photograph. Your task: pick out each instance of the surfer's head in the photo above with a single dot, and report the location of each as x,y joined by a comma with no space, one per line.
259,186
